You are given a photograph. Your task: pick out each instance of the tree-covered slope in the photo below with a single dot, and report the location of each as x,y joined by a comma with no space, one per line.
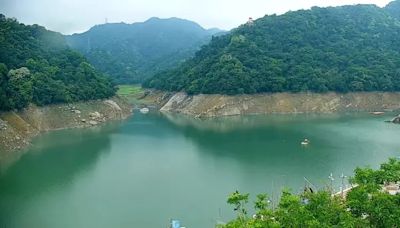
348,48
393,8
37,66
131,52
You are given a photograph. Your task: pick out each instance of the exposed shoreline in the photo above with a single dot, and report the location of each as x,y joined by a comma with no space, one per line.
204,106
17,129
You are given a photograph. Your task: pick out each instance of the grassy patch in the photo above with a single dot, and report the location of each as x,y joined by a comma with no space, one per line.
129,90
133,93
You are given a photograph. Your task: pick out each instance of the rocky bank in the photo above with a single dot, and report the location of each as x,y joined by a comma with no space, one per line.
18,128
396,120
222,105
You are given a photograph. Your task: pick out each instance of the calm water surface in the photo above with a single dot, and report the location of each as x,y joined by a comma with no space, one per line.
151,168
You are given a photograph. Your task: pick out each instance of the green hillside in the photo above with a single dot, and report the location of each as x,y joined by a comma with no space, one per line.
393,8
349,48
129,53
37,66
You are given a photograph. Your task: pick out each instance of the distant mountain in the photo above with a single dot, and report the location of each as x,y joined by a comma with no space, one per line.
132,52
37,66
394,9
348,48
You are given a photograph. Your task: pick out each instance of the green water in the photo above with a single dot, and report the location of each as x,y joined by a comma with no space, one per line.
151,168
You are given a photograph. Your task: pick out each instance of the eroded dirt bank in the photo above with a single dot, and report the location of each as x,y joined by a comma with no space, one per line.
222,105
18,128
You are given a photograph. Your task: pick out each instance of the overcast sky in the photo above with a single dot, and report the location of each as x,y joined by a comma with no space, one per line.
70,16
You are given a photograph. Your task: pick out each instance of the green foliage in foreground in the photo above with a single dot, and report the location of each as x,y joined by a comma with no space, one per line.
365,206
349,48
36,66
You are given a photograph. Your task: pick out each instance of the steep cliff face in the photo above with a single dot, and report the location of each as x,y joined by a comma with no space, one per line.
18,128
222,105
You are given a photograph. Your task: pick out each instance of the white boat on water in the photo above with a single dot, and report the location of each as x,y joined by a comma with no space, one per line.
144,110
305,142
377,113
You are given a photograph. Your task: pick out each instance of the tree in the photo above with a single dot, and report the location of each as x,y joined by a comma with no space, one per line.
43,69
130,53
342,49
365,205
367,200
19,87
239,201
4,100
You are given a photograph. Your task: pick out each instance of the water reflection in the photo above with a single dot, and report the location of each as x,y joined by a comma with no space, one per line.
229,123
52,162
154,167
260,144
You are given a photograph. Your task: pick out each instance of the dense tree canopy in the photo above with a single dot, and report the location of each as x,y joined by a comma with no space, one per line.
348,48
393,8
366,205
36,65
129,53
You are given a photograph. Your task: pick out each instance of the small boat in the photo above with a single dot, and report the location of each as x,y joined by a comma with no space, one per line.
377,113
144,110
305,142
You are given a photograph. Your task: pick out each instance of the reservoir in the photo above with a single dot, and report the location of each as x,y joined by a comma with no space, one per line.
153,167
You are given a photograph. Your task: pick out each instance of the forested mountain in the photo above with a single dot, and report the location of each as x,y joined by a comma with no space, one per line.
348,48
393,8
36,65
131,52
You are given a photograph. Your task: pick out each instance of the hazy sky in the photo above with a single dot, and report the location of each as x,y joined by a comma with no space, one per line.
69,16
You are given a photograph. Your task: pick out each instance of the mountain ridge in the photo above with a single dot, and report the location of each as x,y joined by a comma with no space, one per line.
346,48
131,52
393,8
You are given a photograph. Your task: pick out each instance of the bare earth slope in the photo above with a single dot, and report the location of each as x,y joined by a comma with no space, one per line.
222,105
18,128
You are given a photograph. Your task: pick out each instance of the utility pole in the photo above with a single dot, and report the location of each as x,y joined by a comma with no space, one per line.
272,195
343,177
332,179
